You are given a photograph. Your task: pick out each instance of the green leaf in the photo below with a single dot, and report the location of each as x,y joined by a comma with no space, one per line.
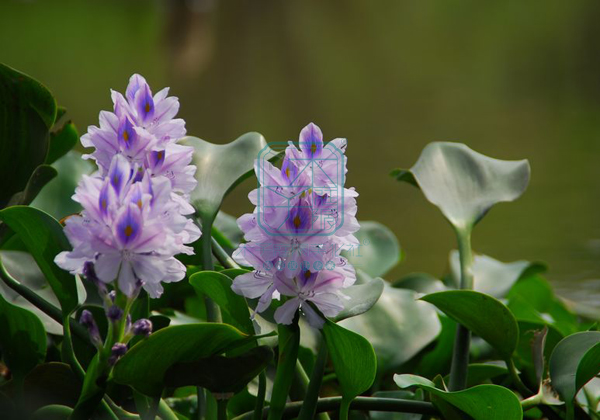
397,317
379,250
353,359
220,167
22,339
42,175
220,374
465,184
51,383
362,298
62,140
55,198
420,282
482,402
44,238
27,113
494,277
477,373
482,314
144,371
217,286
574,362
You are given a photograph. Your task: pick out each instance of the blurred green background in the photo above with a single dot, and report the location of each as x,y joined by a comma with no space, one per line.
511,79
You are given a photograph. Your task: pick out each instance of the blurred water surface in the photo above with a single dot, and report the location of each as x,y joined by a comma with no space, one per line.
511,79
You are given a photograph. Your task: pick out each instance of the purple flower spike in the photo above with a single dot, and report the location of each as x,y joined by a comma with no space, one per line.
311,141
118,350
290,243
87,320
142,327
134,222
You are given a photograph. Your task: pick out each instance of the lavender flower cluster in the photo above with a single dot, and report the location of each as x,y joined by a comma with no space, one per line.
303,217
134,220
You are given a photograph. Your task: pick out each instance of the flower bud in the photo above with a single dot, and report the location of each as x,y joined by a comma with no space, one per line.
87,320
117,351
142,327
114,313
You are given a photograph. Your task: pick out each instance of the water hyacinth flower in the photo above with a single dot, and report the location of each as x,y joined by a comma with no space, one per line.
294,254
134,220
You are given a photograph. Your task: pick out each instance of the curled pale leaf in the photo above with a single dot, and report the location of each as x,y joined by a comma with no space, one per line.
465,184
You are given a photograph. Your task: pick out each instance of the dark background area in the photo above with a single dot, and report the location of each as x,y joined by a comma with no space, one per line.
511,79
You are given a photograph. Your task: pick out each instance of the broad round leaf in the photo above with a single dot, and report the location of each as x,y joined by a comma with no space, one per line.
353,359
220,374
484,315
574,362
378,252
27,113
465,184
362,297
397,317
22,339
491,276
144,366
217,286
52,383
220,167
42,175
482,402
44,239
55,197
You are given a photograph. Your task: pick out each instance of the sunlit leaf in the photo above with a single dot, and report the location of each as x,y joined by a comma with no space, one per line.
353,359
144,371
55,198
482,314
465,184
481,402
397,317
217,286
221,167
491,276
378,252
362,297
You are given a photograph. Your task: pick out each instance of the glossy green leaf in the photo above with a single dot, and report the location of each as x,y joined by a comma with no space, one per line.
220,167
44,238
55,198
362,297
574,362
397,317
491,276
481,402
51,383
42,175
27,113
62,139
482,314
217,286
220,374
465,184
378,252
22,267
22,339
143,370
353,359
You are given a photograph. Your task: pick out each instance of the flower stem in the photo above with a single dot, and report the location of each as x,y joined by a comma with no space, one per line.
213,314
289,343
222,409
260,396
222,256
309,407
514,376
462,342
292,409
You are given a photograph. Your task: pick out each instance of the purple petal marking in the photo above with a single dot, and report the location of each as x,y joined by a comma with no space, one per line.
129,225
311,141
